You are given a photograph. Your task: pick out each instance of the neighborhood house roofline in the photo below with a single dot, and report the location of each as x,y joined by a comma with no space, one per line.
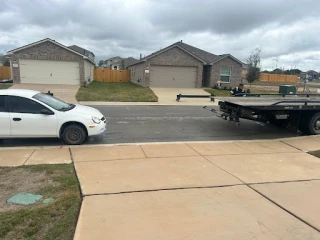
225,56
190,53
48,40
164,50
74,47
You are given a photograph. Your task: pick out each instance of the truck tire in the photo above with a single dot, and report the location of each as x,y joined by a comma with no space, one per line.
74,135
313,124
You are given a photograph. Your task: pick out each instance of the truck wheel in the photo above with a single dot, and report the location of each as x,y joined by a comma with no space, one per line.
74,135
314,124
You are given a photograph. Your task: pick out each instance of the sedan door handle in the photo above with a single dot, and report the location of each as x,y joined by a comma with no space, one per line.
17,119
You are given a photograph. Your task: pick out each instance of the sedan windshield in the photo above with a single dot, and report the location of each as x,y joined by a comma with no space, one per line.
53,102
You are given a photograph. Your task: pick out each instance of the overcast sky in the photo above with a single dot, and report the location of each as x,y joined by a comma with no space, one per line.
288,32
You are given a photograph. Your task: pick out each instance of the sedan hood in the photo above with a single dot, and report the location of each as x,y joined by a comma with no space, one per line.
87,111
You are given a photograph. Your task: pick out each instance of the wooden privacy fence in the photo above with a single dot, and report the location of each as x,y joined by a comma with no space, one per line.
278,78
5,73
108,75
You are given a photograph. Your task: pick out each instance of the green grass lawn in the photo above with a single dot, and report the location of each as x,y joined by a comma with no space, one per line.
55,220
217,92
116,92
5,85
315,153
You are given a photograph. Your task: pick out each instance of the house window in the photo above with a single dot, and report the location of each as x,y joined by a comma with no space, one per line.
225,74
115,67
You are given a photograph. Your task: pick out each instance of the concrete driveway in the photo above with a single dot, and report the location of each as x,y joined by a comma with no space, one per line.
168,96
66,93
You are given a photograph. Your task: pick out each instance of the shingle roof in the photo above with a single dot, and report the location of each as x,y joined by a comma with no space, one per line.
80,50
129,61
113,58
312,72
205,57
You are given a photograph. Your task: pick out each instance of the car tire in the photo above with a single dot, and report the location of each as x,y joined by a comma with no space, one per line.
74,135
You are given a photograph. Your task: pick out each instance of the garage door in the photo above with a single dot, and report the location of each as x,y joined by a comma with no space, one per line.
173,77
49,72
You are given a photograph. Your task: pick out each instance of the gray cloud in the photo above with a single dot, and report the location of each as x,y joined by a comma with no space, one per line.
283,29
228,17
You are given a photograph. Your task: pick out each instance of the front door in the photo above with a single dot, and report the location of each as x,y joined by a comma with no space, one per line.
4,118
27,121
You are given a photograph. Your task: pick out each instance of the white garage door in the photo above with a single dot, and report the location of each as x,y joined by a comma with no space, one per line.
173,77
49,72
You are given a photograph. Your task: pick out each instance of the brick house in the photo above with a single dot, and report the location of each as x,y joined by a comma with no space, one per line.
183,66
50,62
118,63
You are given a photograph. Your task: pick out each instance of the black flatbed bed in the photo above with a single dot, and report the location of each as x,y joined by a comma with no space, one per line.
301,111
274,103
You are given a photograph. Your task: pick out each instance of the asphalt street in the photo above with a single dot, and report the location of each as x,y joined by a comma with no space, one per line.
138,124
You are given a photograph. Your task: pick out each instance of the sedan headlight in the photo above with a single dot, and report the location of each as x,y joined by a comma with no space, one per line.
96,120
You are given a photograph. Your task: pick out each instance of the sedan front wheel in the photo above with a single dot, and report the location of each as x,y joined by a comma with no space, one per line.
74,135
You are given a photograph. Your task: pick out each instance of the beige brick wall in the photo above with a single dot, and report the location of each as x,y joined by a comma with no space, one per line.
137,74
236,70
172,57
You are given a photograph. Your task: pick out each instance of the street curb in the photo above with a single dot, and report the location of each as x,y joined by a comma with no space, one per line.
146,104
153,143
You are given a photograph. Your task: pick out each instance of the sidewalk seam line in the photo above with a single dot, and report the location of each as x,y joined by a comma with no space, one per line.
235,143
187,144
300,150
284,209
142,151
199,187
163,189
28,157
124,159
288,181
224,170
265,197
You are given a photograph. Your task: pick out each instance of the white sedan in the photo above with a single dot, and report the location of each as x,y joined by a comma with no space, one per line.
32,114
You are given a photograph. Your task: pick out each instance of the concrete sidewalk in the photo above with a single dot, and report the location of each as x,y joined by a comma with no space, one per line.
196,190
236,190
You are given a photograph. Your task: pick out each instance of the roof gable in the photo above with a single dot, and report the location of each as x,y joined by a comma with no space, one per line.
219,58
201,55
51,41
166,49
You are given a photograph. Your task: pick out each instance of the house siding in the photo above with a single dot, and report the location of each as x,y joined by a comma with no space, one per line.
46,51
137,74
172,57
236,71
89,68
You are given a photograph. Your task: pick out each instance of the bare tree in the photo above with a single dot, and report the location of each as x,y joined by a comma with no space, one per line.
254,65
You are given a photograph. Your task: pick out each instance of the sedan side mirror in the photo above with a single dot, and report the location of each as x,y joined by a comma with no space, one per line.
46,112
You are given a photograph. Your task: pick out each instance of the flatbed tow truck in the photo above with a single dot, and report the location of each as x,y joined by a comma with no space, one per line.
299,111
